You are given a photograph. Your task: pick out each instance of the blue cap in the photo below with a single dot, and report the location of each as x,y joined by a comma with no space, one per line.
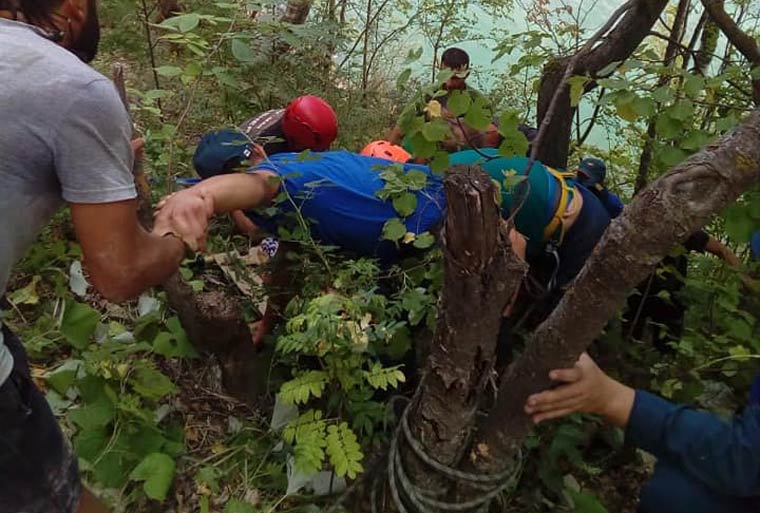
754,245
219,151
592,171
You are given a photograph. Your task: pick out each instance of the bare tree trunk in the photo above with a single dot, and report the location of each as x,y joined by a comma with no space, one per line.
480,276
296,12
621,42
745,43
671,52
687,197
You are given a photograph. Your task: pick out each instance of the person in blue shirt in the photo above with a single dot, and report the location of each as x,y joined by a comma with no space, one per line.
704,464
592,173
335,191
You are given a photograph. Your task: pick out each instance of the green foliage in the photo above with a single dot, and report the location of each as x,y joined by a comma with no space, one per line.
156,472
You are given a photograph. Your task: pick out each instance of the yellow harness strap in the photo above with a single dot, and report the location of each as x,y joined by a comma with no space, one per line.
565,197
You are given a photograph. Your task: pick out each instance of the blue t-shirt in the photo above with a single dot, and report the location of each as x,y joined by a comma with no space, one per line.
336,192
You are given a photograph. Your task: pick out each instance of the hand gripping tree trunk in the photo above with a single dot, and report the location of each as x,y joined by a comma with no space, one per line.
686,197
553,148
480,276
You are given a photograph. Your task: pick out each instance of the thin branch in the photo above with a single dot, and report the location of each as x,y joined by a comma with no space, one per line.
569,70
593,119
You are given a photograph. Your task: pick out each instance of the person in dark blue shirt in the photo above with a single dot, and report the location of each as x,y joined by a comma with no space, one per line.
591,174
705,464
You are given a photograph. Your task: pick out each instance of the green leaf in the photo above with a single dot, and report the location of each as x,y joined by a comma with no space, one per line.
238,506
424,240
242,51
403,78
63,377
624,107
157,472
644,107
93,416
174,343
585,502
670,155
188,22
169,71
693,85
663,94
151,383
344,451
300,389
479,114
667,126
78,323
405,204
459,103
438,164
393,229
383,378
682,110
577,85
435,130
27,295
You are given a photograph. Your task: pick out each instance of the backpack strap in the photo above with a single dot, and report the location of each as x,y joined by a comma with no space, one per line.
555,230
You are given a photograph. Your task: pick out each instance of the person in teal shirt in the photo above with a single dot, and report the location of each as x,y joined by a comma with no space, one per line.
561,220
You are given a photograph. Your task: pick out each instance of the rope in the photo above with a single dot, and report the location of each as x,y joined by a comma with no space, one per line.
406,494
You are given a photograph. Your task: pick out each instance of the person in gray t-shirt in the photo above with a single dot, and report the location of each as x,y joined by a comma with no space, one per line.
64,138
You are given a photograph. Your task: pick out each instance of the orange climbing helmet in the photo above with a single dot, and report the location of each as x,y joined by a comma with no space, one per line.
386,150
310,123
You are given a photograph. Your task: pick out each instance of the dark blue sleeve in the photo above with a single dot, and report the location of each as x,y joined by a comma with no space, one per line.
725,456
612,203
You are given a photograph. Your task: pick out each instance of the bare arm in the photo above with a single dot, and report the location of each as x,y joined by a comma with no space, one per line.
185,213
395,135
122,258
715,247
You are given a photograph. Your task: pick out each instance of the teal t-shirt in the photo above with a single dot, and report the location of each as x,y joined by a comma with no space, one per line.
540,190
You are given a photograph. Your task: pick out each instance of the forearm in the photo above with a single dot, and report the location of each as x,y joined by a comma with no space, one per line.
239,191
725,456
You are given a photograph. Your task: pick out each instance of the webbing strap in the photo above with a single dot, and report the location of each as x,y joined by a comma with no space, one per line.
555,230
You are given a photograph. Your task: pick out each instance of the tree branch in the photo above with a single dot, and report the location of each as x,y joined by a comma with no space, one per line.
636,18
634,243
746,44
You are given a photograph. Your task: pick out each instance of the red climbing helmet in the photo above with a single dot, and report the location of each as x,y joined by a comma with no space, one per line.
309,123
386,150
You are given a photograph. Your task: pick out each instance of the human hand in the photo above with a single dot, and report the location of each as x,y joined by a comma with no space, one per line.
587,389
185,214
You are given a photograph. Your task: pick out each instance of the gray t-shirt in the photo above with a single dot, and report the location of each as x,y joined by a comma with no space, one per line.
64,136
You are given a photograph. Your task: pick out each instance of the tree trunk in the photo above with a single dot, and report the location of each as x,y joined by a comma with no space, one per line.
686,197
621,42
480,276
671,52
745,43
296,12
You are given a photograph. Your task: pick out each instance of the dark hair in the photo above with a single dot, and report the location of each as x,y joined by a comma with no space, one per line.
36,12
455,58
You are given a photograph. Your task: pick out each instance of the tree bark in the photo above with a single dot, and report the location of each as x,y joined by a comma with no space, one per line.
296,12
480,277
746,44
671,52
621,42
686,197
